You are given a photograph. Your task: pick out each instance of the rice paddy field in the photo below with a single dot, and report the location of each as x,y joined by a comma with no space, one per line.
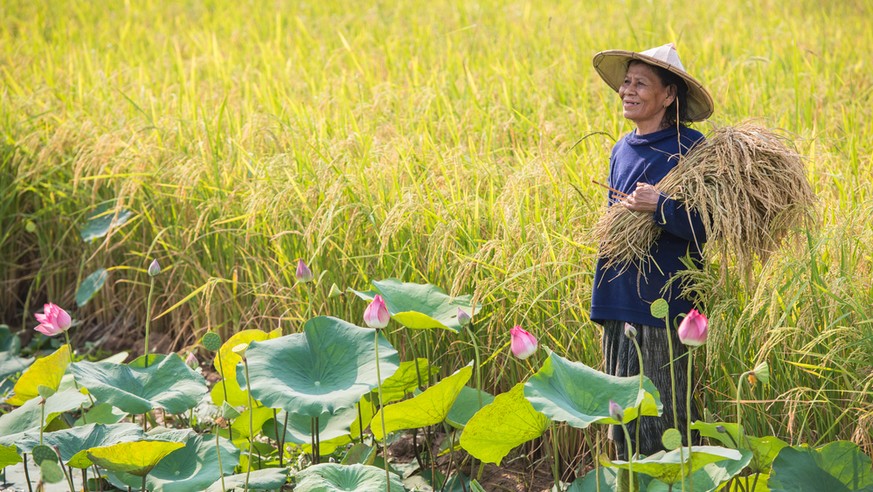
449,142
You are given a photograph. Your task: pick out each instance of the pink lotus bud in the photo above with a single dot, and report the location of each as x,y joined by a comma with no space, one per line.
630,330
53,320
463,317
693,329
376,315
191,361
304,274
523,343
615,411
154,268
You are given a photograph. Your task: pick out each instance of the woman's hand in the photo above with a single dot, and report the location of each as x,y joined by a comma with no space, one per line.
643,199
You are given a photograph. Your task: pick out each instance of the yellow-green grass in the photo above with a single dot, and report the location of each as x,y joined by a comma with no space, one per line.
443,142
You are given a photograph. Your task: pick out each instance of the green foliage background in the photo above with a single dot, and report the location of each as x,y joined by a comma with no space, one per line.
438,142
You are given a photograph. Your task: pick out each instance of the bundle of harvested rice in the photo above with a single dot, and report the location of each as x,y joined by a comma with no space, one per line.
748,186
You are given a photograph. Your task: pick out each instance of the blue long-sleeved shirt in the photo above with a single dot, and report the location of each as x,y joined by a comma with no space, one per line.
627,295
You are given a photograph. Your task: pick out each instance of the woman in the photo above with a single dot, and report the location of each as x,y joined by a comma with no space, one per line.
659,97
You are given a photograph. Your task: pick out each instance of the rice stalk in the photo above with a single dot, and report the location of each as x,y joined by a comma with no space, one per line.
749,188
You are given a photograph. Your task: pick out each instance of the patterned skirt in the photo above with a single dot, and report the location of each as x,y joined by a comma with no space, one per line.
620,357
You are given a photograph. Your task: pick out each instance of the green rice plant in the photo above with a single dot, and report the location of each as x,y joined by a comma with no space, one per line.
451,143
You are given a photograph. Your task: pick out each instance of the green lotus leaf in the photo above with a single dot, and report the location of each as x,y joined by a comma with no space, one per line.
475,486
50,471
508,421
46,371
101,413
331,477
360,453
266,479
258,417
8,456
420,306
136,458
579,395
469,401
102,220
27,417
667,466
90,286
194,466
10,363
9,342
299,430
840,466
366,409
607,477
225,362
406,379
68,382
322,370
74,443
708,478
429,408
326,447
166,383
764,449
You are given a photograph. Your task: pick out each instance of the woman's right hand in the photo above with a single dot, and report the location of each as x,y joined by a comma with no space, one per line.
643,199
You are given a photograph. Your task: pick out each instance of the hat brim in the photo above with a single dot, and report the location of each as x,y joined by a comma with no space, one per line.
611,65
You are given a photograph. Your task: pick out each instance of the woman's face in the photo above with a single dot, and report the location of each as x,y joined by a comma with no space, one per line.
644,97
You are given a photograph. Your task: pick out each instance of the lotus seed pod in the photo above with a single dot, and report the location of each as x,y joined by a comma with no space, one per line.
672,439
212,341
42,452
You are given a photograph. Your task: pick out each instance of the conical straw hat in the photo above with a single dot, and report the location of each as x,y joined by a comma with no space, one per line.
612,67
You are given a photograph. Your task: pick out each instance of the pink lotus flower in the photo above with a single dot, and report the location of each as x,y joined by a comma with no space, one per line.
376,315
304,274
523,343
693,329
53,320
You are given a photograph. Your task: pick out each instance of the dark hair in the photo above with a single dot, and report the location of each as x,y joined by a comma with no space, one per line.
669,78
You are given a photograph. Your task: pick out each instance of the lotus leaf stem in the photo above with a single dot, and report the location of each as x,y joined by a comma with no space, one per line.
148,318
251,421
382,412
673,396
630,460
688,419
640,406
478,363
27,474
555,456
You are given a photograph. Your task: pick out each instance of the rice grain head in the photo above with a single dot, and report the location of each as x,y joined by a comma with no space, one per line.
749,187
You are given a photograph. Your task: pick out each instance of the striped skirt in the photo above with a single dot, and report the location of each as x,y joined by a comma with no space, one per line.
620,357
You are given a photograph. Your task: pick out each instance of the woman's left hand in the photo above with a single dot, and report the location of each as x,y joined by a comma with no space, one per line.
643,199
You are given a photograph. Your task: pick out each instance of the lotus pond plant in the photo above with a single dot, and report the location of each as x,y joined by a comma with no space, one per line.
309,410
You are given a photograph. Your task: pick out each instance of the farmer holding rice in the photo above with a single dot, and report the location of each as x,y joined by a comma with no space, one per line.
659,97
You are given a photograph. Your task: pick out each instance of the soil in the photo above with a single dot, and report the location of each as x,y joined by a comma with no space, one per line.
521,473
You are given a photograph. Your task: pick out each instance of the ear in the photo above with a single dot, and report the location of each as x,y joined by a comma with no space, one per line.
671,95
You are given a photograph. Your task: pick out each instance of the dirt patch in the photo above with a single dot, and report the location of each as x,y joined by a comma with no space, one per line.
520,473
